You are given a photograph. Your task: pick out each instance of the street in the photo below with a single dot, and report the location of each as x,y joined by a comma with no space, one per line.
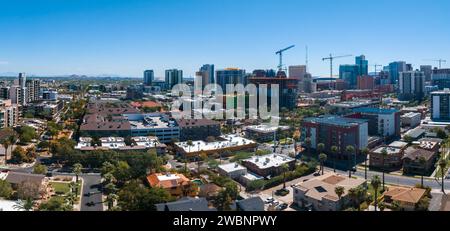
91,186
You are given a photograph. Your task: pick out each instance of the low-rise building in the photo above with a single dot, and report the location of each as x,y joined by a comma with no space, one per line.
406,198
411,119
232,170
418,161
224,144
264,132
269,165
176,184
319,193
392,159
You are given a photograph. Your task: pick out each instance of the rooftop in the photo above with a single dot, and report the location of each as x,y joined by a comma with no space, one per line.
265,128
389,150
227,142
182,123
335,120
270,160
231,167
416,153
372,110
168,180
410,195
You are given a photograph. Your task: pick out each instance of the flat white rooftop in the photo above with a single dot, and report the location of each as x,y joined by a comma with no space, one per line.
167,177
270,160
229,141
265,128
8,206
231,167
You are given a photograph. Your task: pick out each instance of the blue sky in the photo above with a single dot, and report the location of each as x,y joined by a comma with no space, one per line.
124,37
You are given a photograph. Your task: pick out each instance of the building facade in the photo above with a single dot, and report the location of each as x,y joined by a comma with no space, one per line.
173,77
440,105
149,76
411,85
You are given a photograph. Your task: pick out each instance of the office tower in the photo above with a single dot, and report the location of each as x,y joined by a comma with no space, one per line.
427,70
394,70
173,77
440,105
208,71
149,76
441,78
288,89
33,89
230,76
363,65
411,85
23,89
409,67
349,73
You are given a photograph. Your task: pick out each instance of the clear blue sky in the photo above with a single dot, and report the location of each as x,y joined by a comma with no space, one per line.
124,37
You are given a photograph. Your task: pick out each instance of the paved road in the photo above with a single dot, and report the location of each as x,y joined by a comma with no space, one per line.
91,184
399,180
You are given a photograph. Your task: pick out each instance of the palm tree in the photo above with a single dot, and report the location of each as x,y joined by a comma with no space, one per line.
77,168
71,197
443,165
6,144
365,151
339,190
284,168
334,151
308,144
384,154
320,147
322,158
422,162
349,149
190,144
25,205
110,199
353,195
375,182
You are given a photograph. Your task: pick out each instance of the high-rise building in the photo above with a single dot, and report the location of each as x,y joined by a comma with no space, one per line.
9,114
427,70
409,67
33,89
173,77
208,70
230,76
288,89
441,78
411,85
15,94
440,105
149,76
349,73
395,68
363,65
366,82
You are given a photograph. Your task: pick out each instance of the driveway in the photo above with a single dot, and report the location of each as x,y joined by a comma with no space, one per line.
91,184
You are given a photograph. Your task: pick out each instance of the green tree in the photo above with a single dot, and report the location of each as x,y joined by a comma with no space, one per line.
320,147
339,190
40,169
422,162
375,182
135,197
322,159
110,199
285,169
5,189
226,196
334,152
353,195
26,134
365,152
350,150
384,154
443,165
25,205
55,204
77,170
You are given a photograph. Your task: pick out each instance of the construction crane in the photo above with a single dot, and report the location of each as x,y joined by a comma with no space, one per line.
376,66
331,58
280,52
440,61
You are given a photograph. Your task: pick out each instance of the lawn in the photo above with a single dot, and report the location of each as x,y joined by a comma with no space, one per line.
62,188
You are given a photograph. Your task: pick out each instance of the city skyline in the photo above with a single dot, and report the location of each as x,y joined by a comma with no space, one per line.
126,38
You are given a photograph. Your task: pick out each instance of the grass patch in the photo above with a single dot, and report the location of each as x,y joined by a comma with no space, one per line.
62,188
